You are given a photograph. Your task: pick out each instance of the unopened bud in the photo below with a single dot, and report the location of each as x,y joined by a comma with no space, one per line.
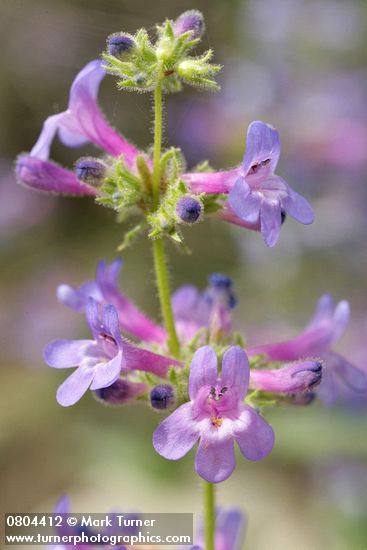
120,392
120,43
293,378
162,396
191,20
189,209
90,170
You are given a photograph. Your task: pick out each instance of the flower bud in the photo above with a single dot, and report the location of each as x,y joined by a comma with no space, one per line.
189,209
120,43
219,280
120,392
296,377
191,20
162,396
90,170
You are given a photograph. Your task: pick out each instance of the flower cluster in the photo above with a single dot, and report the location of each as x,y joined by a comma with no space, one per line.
250,195
207,406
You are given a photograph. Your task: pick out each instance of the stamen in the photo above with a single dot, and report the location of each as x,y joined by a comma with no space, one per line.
107,338
217,421
256,167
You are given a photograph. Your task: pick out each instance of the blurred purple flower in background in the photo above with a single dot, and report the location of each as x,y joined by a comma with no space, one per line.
104,289
325,328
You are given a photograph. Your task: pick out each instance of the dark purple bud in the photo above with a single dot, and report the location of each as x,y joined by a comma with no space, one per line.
120,392
162,397
90,170
189,209
191,20
120,43
219,280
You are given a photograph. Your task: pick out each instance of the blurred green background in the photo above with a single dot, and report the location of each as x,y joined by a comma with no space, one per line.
300,65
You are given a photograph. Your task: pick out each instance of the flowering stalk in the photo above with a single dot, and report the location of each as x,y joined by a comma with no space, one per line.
160,264
209,515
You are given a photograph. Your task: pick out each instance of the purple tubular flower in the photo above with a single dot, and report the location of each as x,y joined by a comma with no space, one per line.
216,416
190,20
326,327
81,123
340,375
259,194
100,360
258,199
44,175
189,209
294,378
105,290
211,182
120,43
122,391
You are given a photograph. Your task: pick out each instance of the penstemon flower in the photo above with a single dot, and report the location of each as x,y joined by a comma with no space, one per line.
326,327
104,289
258,197
216,416
100,361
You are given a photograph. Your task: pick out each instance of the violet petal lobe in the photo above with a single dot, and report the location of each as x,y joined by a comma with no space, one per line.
215,461
107,373
262,146
203,370
353,377
244,202
177,434
63,354
84,120
74,386
298,207
254,436
236,371
271,221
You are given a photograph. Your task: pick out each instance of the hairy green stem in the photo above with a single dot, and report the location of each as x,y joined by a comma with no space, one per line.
160,264
209,515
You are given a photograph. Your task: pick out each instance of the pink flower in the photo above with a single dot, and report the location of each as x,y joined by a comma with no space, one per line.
326,327
216,416
82,122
